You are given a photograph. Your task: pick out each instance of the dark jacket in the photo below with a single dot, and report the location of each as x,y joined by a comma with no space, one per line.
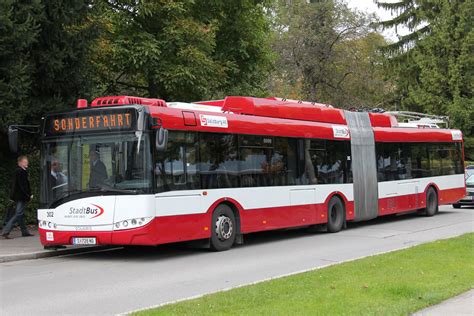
21,186
54,182
98,174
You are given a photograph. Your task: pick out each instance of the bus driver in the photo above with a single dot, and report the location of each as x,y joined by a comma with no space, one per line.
98,173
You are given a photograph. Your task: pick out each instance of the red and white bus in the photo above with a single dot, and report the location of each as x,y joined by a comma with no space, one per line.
136,171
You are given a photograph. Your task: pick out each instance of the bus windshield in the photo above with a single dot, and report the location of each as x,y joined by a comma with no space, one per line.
92,163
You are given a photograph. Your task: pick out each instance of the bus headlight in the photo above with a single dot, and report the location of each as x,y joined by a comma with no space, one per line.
132,223
47,225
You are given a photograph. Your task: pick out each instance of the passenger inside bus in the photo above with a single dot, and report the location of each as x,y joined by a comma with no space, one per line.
57,179
98,173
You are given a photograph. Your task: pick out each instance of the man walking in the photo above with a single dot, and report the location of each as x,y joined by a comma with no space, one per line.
21,194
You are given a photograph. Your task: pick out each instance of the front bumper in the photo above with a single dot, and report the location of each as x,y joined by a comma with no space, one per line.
144,235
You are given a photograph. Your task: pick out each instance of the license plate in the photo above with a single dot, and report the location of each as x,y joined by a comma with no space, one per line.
84,241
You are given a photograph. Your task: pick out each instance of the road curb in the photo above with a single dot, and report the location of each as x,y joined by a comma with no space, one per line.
49,253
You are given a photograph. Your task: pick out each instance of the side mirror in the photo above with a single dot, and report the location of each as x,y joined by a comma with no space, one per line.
13,139
161,140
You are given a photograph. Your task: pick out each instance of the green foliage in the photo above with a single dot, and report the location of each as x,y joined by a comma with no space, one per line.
366,85
446,63
328,53
185,50
44,52
19,26
437,74
43,58
415,15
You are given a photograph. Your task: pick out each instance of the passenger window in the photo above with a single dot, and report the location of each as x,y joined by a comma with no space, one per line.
435,159
420,164
457,157
176,167
403,162
398,161
255,161
335,162
446,158
219,164
284,161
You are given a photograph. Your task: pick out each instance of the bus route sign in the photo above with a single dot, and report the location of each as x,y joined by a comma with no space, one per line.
95,120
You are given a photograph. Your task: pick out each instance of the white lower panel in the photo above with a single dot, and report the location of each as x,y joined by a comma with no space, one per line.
168,203
199,201
405,187
302,196
182,202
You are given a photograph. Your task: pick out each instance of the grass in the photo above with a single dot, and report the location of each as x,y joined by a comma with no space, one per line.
396,283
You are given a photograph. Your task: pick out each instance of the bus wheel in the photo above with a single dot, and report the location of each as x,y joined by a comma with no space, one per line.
223,228
456,205
431,202
335,215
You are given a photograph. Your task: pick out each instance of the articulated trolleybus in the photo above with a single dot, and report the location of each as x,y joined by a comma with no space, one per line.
136,171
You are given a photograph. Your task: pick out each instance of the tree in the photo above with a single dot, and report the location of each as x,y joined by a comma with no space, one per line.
435,74
44,58
19,26
185,50
327,53
415,15
44,53
367,85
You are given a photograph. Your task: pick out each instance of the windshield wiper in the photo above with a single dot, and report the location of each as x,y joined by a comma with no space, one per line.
113,190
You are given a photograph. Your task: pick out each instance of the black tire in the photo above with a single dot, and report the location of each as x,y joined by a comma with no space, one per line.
336,215
456,205
224,228
431,202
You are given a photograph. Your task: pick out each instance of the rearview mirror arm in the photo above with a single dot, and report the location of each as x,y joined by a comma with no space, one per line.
13,134
31,129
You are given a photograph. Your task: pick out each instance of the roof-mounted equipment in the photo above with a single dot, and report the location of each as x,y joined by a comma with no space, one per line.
126,100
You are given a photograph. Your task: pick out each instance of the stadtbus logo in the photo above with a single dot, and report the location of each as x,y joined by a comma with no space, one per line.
213,121
82,212
340,132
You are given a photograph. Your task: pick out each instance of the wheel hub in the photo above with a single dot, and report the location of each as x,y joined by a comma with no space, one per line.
224,227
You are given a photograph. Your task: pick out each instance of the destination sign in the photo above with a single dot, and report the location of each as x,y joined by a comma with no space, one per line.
90,121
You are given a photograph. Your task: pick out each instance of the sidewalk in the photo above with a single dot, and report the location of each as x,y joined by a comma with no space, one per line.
459,305
25,248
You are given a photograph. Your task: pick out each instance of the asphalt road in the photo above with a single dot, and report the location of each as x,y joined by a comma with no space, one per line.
123,280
